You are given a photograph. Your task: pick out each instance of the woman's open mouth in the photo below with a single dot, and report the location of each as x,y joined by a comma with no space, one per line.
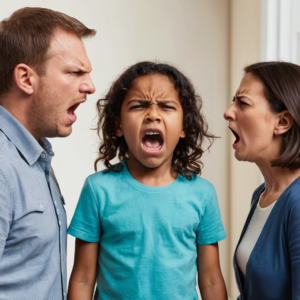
237,138
152,140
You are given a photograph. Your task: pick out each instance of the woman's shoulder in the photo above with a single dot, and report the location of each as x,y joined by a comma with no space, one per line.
292,194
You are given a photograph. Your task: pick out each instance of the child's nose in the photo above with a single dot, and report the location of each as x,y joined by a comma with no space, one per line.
153,113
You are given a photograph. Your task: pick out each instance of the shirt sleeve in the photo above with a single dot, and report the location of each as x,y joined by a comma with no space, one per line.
294,248
85,223
6,212
211,229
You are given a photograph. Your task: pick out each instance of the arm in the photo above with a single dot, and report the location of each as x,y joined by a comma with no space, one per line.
6,211
83,277
210,279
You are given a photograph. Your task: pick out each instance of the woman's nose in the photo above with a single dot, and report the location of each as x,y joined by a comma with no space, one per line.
229,114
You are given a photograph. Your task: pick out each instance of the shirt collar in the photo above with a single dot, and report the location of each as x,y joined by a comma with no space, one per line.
27,145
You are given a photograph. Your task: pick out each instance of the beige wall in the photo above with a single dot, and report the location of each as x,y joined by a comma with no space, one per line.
244,177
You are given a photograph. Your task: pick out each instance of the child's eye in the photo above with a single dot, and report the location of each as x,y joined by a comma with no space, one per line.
138,106
167,107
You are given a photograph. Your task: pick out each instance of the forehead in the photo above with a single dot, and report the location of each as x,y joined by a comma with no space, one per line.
153,85
68,49
251,85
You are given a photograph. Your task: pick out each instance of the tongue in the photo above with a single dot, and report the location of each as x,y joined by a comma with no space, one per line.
151,143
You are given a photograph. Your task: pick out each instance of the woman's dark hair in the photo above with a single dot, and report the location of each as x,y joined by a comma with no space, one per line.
281,82
187,153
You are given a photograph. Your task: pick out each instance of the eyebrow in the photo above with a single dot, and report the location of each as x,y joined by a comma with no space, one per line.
149,101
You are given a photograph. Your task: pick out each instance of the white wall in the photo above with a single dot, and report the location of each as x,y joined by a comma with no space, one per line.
191,34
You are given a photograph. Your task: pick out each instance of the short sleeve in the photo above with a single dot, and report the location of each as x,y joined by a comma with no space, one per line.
294,247
211,229
85,224
6,212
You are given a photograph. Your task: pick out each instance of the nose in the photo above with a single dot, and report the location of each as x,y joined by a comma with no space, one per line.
87,86
153,113
229,114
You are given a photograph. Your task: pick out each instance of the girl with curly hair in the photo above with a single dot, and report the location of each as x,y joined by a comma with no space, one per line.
146,225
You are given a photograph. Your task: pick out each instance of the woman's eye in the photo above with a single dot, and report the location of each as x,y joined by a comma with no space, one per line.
243,103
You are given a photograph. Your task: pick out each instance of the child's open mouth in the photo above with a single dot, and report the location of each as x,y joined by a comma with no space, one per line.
237,138
152,140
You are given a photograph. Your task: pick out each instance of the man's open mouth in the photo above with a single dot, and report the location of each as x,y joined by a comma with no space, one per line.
71,112
237,138
152,140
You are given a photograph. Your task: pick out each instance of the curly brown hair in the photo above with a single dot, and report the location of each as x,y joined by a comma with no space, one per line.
188,151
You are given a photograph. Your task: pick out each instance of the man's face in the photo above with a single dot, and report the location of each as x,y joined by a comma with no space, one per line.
62,88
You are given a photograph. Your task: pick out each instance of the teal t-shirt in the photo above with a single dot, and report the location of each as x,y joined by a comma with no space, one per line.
148,235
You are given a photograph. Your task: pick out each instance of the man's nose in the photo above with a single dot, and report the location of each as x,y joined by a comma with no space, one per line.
87,86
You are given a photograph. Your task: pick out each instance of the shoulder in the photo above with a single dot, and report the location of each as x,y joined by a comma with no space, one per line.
200,184
104,178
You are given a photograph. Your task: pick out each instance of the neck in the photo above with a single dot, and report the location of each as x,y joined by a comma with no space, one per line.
155,177
277,179
19,107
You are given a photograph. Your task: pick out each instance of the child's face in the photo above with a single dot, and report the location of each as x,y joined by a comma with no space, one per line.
151,120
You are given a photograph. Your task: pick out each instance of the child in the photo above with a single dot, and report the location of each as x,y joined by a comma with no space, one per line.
146,225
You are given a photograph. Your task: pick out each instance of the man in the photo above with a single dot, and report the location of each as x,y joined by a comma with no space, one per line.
44,76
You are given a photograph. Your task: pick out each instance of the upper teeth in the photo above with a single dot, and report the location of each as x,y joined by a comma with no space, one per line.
152,132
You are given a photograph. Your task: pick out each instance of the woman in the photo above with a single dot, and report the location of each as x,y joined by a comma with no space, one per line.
265,119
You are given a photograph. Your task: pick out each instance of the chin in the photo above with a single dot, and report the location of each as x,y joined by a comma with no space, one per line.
64,131
240,156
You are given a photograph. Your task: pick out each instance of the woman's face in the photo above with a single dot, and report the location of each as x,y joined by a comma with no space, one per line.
252,122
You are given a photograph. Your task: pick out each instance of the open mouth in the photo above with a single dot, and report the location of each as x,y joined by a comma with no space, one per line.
237,138
152,140
71,112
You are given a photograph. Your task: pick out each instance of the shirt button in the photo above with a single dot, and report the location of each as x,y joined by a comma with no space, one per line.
43,155
59,222
55,203
57,211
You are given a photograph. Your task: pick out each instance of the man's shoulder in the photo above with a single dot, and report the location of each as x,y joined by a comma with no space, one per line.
6,151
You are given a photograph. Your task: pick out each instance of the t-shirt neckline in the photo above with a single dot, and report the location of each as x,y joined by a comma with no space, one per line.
150,189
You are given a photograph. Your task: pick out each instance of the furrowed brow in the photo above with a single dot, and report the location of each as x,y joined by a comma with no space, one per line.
145,102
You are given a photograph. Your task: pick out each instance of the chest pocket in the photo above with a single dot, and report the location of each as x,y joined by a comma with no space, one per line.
30,207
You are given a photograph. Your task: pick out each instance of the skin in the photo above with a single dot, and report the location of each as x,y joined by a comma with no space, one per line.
41,103
261,134
164,112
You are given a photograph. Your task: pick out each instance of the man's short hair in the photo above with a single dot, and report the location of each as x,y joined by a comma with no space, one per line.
25,38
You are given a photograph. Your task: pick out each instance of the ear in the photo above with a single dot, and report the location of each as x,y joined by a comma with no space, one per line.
182,134
118,127
25,78
284,123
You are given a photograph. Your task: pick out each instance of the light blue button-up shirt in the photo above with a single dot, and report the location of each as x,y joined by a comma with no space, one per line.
33,221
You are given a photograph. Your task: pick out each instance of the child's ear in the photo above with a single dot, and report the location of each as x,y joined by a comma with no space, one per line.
284,122
182,134
118,127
